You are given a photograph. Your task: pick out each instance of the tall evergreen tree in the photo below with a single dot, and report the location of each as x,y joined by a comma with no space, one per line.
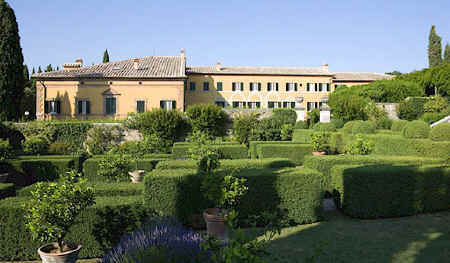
106,56
49,68
434,48
26,74
33,72
447,53
29,99
11,64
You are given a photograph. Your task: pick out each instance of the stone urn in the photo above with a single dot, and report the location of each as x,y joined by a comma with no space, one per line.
215,224
48,256
137,176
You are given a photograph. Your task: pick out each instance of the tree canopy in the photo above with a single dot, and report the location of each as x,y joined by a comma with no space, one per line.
434,48
106,56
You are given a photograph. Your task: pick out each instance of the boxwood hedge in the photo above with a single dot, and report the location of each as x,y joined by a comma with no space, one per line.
253,144
398,125
242,163
98,228
7,190
440,132
324,164
293,152
296,191
388,191
227,151
302,135
416,130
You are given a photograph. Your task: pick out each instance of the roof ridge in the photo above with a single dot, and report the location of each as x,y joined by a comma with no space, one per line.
358,72
284,67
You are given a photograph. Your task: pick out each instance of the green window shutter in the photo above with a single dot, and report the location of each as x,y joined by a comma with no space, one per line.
328,87
251,86
258,104
219,86
80,107
46,106
269,86
113,106
88,107
259,86
174,104
233,86
242,86
276,86
107,106
295,86
162,104
140,106
287,86
58,107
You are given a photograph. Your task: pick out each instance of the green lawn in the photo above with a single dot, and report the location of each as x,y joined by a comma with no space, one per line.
421,238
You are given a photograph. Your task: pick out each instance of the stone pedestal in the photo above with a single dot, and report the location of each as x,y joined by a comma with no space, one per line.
300,114
325,116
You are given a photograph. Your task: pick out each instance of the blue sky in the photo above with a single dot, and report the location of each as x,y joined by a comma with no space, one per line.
368,36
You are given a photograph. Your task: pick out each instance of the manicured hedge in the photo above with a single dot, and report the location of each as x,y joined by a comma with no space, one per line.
7,190
90,167
398,125
253,144
324,164
297,191
302,135
227,151
364,127
192,164
97,229
26,171
101,189
440,132
294,152
416,130
324,127
388,191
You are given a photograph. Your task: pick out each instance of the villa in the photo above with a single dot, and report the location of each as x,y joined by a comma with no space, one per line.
115,89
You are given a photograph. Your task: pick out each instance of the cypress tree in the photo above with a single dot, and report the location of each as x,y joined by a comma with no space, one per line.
11,64
106,56
49,68
39,70
26,74
33,72
447,53
434,48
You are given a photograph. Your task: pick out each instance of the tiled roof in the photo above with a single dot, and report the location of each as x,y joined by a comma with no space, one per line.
359,76
149,67
258,70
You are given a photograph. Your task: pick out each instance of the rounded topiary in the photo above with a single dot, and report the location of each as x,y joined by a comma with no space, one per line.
384,123
325,127
398,125
440,132
338,123
301,125
364,127
416,130
348,127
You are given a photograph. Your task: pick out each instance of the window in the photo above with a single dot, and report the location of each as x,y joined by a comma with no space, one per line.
110,105
83,107
254,105
238,104
192,86
237,86
168,104
312,105
219,86
316,87
140,106
288,104
291,86
272,86
328,87
52,107
273,104
205,86
320,87
220,104
254,86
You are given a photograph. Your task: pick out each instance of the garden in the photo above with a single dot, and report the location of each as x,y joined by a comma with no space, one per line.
200,187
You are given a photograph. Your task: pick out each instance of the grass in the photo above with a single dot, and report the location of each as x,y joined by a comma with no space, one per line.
414,239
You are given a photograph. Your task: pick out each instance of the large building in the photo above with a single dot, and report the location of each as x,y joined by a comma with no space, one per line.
115,89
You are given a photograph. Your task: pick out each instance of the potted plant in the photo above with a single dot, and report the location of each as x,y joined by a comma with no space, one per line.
319,142
224,191
52,211
137,175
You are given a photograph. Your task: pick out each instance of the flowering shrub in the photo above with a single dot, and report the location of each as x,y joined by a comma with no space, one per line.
162,240
114,167
360,146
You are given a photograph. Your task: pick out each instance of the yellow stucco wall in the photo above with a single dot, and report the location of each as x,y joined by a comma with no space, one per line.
152,92
263,96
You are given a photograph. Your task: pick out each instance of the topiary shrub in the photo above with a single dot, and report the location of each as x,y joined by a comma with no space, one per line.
114,167
359,146
364,127
286,132
285,116
35,145
6,151
432,117
313,117
207,118
324,127
411,108
348,126
338,123
398,125
384,123
244,127
416,130
301,125
60,148
440,132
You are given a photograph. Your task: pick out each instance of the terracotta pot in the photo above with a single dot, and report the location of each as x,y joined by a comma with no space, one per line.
4,178
137,176
318,153
215,224
64,257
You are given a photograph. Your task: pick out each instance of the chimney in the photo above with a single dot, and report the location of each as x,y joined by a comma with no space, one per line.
182,53
218,66
325,66
136,63
73,66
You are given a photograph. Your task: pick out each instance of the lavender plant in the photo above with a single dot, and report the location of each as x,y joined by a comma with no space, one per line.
161,240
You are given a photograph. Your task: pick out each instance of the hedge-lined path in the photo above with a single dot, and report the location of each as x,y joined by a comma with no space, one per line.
420,238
